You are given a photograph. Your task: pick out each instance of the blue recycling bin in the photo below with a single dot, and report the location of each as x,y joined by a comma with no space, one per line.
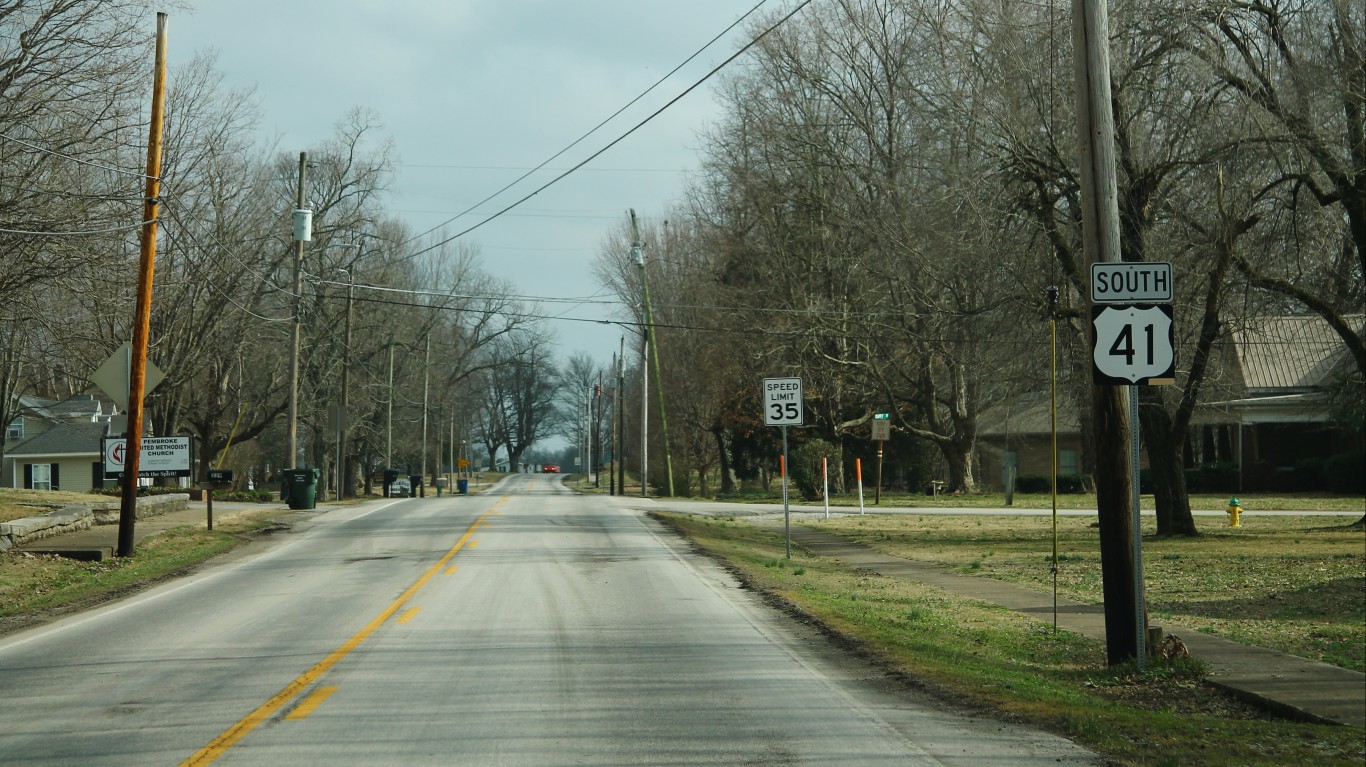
462,486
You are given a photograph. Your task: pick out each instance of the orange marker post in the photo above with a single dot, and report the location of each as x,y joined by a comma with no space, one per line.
858,473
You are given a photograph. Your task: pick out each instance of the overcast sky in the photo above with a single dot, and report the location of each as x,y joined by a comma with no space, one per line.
475,92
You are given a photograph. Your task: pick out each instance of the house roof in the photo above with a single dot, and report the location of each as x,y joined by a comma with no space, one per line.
82,407
79,406
1027,413
1289,354
34,402
76,438
1309,407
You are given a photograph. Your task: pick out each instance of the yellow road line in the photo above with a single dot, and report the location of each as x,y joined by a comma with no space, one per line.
409,614
311,703
452,570
220,745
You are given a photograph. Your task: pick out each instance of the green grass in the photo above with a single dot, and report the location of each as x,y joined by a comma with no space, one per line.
37,583
1071,501
1000,659
1295,584
19,503
32,584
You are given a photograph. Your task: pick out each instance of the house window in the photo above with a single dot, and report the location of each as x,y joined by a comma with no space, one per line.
42,476
1067,462
16,429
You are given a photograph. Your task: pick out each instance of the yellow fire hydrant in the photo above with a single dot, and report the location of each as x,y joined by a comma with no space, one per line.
1234,509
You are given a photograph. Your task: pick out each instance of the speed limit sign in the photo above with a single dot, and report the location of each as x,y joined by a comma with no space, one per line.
1132,344
783,402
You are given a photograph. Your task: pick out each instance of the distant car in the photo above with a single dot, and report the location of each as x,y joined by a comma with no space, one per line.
550,468
400,488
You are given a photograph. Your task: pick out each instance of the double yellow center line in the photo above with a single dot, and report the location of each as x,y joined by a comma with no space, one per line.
220,745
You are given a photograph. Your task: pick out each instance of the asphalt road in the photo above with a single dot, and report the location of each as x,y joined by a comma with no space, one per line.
524,626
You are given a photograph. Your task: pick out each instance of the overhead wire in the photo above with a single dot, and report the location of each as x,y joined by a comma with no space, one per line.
595,300
131,197
623,136
229,251
120,228
101,166
590,132
745,330
174,233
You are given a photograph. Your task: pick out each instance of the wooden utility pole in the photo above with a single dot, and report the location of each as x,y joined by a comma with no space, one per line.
638,250
621,420
345,487
1109,404
297,338
612,430
644,413
142,318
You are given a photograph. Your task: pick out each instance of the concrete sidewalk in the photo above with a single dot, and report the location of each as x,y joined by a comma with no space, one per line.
1289,685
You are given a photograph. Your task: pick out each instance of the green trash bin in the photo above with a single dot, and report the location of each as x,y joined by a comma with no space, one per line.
303,488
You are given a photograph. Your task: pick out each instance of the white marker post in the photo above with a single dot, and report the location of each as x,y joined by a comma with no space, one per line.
783,407
825,482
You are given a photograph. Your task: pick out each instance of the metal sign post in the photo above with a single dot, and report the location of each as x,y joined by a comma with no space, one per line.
882,431
1140,607
1133,344
877,489
783,407
787,515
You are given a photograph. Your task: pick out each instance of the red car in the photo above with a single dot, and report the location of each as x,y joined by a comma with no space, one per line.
550,468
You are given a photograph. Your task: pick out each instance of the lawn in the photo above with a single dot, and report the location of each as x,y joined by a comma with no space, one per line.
17,503
994,658
1199,502
1295,584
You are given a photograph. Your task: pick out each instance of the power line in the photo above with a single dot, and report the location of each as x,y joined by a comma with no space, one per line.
590,132
134,197
230,251
120,228
101,166
593,299
622,137
543,167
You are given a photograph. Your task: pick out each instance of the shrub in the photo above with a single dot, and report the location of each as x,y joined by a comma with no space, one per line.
806,467
1219,477
1073,483
683,477
246,496
1343,475
1039,483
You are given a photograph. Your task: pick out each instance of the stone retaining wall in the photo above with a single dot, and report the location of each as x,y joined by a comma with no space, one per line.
83,516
